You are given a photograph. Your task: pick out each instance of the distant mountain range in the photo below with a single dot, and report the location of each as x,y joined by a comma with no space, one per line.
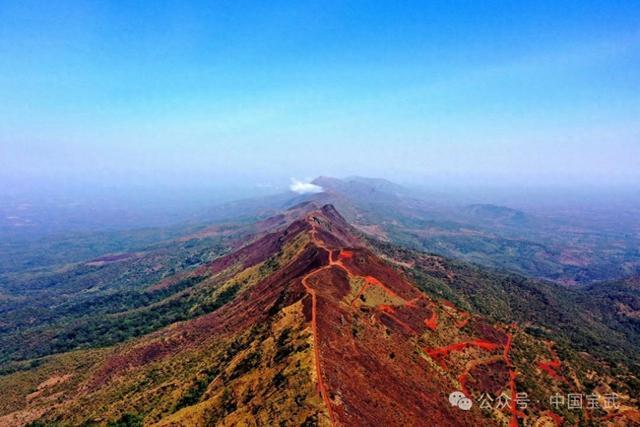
560,247
312,310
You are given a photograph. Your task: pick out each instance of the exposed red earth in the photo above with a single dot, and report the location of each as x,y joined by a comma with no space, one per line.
512,380
441,352
412,315
384,353
463,322
358,345
314,328
432,322
377,357
552,366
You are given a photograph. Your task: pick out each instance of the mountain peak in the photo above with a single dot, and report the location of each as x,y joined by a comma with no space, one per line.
304,325
359,189
346,324
331,229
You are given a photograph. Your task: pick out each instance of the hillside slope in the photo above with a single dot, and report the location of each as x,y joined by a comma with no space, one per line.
572,247
308,325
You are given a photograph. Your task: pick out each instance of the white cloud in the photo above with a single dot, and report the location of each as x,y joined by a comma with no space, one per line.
301,187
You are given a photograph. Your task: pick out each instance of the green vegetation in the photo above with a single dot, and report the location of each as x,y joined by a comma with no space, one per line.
114,302
88,305
582,246
127,420
577,318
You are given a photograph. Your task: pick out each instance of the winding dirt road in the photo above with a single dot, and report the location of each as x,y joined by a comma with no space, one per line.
335,259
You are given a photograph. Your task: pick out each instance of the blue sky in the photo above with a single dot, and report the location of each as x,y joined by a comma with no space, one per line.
258,92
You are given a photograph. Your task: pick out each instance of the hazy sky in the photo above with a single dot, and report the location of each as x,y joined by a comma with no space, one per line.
259,92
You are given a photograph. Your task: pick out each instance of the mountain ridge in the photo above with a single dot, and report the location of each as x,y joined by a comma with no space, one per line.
306,325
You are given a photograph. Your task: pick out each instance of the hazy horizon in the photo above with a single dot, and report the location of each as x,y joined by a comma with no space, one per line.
242,97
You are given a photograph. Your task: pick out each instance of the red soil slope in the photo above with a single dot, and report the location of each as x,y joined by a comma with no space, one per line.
384,353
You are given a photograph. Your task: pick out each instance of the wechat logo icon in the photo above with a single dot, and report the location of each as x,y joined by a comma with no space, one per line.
457,398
